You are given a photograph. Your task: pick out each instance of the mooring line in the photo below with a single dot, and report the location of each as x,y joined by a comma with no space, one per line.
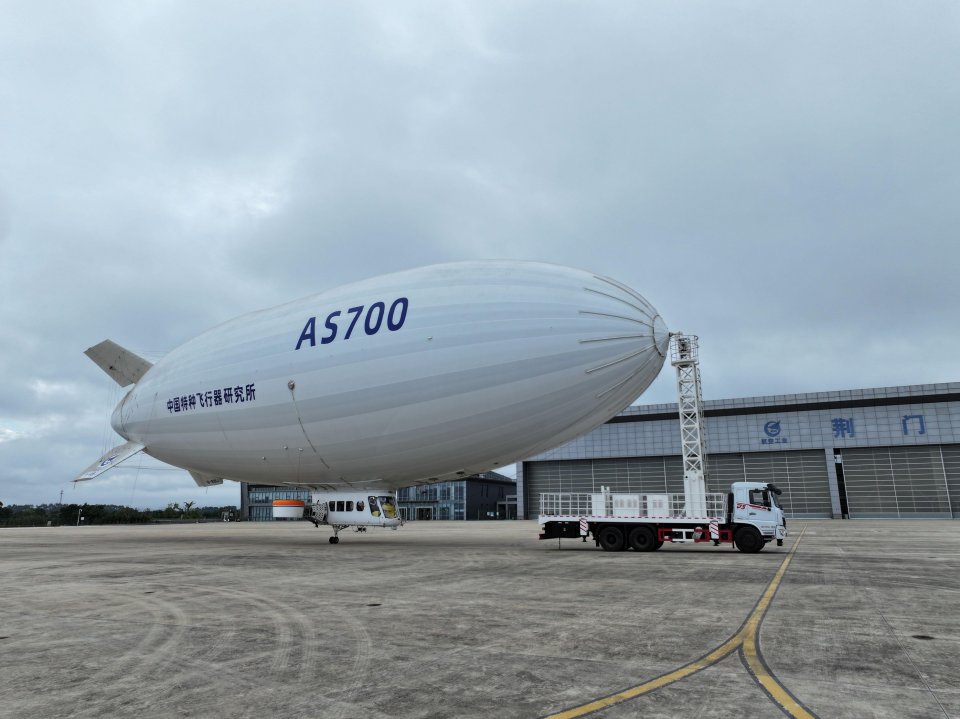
745,639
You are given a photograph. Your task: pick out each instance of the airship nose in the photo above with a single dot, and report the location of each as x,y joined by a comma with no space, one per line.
661,335
626,337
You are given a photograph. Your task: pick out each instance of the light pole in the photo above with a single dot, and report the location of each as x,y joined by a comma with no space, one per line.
79,516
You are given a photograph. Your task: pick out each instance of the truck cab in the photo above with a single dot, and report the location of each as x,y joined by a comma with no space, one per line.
754,504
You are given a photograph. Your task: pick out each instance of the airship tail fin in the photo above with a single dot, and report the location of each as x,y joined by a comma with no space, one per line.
205,480
111,459
123,366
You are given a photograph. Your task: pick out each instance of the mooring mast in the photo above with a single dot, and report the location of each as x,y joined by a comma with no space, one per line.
684,356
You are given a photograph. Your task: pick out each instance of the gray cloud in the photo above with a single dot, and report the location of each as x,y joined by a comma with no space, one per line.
780,181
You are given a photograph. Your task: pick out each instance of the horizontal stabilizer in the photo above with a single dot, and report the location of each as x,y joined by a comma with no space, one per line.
205,480
111,459
123,366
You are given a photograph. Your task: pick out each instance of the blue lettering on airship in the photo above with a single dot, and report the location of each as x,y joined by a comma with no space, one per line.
376,316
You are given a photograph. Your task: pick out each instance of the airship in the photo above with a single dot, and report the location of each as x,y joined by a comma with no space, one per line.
419,376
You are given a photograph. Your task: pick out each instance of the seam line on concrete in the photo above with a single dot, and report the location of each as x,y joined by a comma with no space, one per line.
746,633
895,636
914,665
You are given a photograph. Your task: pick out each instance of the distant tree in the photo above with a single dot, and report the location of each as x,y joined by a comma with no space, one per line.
92,514
172,511
28,515
217,512
23,515
68,513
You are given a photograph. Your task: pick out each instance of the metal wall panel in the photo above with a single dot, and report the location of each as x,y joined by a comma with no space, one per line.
900,482
950,454
723,470
802,475
642,475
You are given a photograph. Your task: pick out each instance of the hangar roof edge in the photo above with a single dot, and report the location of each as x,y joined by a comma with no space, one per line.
873,397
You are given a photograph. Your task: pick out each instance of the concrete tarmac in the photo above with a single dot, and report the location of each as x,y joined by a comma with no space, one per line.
471,619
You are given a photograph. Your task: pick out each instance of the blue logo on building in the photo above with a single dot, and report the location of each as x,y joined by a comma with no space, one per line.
772,430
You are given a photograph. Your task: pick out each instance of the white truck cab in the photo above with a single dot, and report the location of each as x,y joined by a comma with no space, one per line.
753,503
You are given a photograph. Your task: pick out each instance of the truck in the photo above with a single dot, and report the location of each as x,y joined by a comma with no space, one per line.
748,517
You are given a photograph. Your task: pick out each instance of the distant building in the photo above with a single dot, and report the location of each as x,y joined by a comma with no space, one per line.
488,495
256,500
483,496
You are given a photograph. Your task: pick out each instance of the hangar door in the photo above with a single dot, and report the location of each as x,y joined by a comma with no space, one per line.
897,481
802,475
640,475
951,468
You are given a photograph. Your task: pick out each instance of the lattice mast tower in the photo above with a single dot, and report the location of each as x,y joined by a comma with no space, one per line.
684,356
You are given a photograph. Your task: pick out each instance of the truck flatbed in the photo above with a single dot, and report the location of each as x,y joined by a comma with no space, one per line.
747,516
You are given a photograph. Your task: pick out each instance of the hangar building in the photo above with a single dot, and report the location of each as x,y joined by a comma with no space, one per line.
891,452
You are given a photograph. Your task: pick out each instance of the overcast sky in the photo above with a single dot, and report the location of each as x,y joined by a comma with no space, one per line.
780,178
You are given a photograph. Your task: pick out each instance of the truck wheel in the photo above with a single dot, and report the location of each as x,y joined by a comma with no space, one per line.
611,539
642,540
748,540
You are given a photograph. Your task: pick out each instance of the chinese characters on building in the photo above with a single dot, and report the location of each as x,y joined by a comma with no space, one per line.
213,398
913,421
843,427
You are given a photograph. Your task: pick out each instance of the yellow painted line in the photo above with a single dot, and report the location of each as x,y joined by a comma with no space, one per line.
676,675
745,637
751,651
